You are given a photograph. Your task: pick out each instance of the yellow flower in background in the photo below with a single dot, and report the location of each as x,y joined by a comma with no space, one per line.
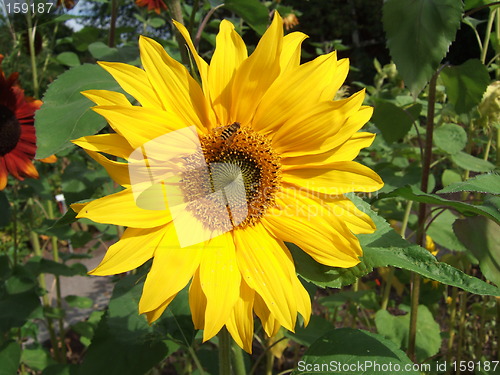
258,155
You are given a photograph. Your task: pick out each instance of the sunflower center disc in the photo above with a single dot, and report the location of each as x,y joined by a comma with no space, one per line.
241,179
10,130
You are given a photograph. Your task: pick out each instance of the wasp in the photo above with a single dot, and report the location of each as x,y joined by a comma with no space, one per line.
229,132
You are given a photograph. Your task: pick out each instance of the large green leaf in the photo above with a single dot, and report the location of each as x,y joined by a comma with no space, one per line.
124,343
417,195
396,329
465,84
480,235
484,183
419,33
352,351
252,11
10,356
65,114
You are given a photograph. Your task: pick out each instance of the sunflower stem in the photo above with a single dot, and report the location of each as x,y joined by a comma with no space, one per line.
31,43
422,209
55,256
238,361
452,326
224,352
487,35
112,23
174,7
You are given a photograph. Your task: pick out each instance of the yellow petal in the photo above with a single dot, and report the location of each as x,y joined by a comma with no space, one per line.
139,125
200,63
257,73
351,126
356,220
290,55
134,81
335,178
294,92
197,301
301,219
229,53
303,300
270,324
113,144
240,323
172,269
105,97
116,170
177,90
220,280
151,316
121,209
264,267
134,248
77,207
345,152
315,130
335,81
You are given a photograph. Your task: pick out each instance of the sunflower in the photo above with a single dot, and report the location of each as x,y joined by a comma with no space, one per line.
256,155
17,133
156,5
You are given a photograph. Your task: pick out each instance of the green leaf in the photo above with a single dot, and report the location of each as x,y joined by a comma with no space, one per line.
68,59
156,22
393,122
396,329
16,309
484,183
441,231
419,33
10,356
351,348
60,369
449,177
79,302
125,54
307,335
124,336
252,11
65,114
469,162
450,138
480,235
417,195
36,358
465,84
4,210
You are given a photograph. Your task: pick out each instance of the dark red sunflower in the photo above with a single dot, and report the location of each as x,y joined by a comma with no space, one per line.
17,132
156,5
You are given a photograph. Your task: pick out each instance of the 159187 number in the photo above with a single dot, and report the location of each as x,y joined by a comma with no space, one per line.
26,7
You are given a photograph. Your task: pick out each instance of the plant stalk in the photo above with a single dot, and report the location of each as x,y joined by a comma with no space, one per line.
55,256
487,35
112,23
452,325
238,361
224,352
422,210
31,43
174,7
